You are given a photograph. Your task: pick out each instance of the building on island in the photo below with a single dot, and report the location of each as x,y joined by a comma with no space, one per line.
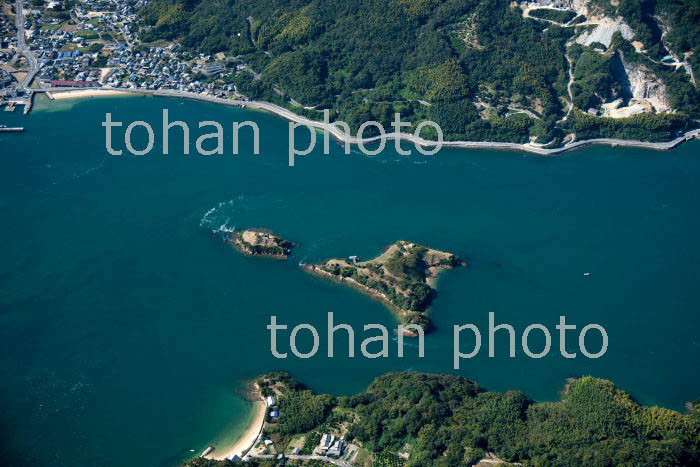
337,448
331,446
326,442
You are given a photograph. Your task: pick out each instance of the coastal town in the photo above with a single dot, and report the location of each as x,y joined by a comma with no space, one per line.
136,292
50,45
94,47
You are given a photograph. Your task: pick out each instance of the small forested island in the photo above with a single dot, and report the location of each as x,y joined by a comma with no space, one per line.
420,419
261,242
403,276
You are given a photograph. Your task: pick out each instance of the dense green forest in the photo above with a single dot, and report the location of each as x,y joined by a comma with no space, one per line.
476,67
450,421
553,15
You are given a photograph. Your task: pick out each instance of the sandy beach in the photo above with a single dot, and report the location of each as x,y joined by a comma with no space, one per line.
58,95
247,439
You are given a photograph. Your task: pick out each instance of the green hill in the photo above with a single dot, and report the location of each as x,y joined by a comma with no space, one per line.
447,420
479,68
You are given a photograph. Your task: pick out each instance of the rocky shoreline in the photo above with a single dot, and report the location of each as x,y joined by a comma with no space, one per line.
404,277
261,242
314,269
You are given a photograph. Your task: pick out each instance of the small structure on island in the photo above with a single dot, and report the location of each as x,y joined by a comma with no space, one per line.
337,448
325,443
274,414
331,446
354,259
271,401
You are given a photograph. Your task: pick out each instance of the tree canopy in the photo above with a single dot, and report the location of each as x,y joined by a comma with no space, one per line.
465,64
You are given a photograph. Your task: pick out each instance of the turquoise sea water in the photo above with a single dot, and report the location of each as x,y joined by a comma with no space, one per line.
127,327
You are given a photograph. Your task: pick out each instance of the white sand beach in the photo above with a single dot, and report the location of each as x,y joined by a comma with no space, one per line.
75,94
247,439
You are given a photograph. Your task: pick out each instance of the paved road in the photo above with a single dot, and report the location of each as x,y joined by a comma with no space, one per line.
22,47
569,84
330,460
289,115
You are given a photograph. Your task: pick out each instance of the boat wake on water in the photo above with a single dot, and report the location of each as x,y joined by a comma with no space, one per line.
74,175
218,219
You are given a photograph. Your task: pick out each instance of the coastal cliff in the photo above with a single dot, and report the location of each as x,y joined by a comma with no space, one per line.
404,276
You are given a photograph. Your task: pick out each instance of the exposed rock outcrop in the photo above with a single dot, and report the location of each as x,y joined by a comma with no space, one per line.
604,30
645,86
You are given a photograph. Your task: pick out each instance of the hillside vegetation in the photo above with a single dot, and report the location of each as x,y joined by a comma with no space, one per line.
403,276
451,421
446,420
478,68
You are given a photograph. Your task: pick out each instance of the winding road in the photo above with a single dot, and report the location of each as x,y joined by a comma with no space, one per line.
330,460
568,85
341,136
